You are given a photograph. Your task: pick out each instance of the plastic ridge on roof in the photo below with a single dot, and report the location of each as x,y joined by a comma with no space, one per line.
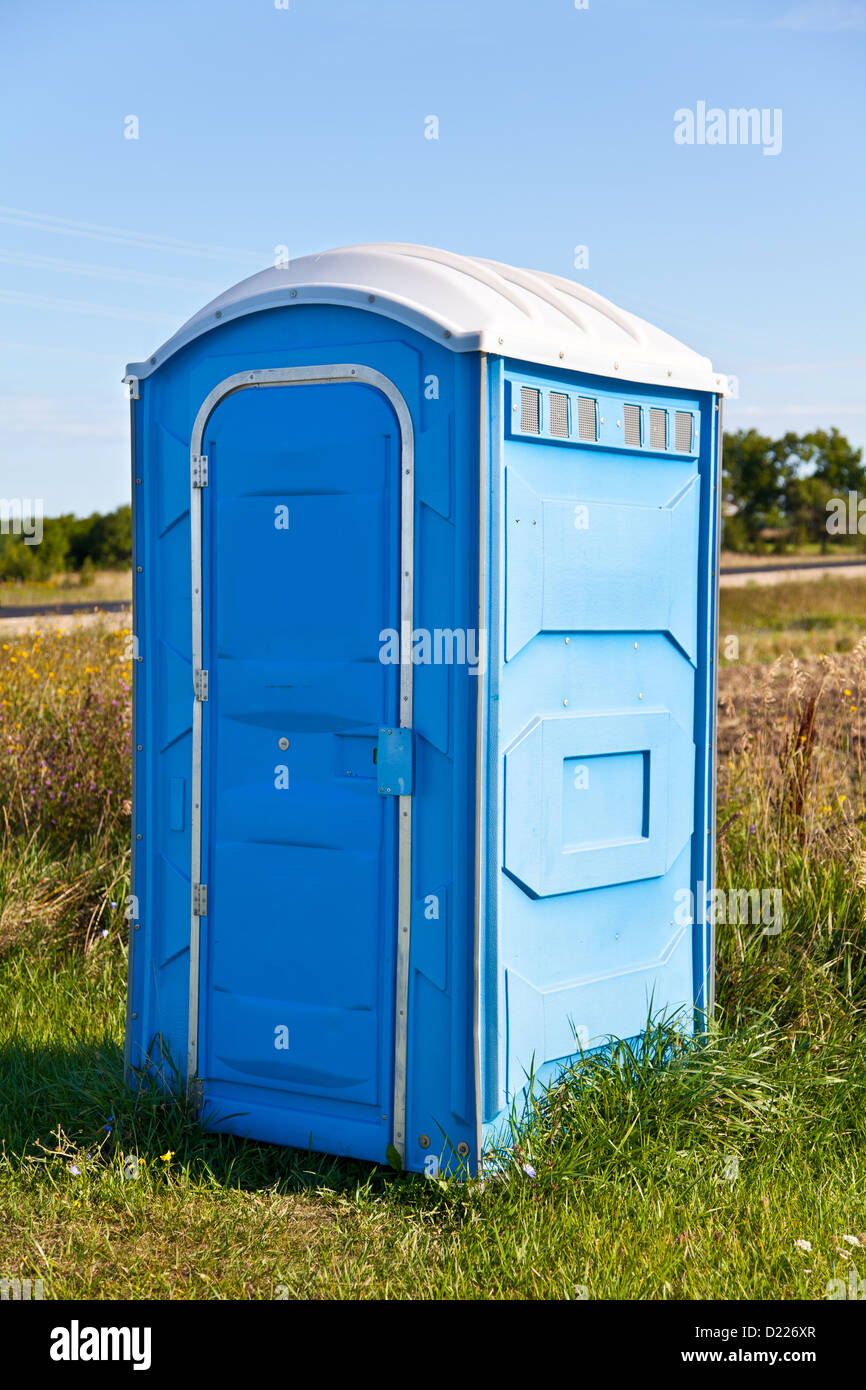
477,305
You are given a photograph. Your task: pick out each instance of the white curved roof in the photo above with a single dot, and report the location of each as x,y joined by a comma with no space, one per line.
474,305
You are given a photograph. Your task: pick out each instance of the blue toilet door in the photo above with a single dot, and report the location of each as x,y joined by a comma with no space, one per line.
301,575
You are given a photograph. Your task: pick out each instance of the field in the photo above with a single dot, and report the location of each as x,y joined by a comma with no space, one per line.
736,1170
805,618
102,587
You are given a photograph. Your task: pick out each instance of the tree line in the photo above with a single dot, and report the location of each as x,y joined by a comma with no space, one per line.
793,491
68,543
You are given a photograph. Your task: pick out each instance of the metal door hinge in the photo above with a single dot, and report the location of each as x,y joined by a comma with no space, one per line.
199,899
394,762
199,470
131,384
200,685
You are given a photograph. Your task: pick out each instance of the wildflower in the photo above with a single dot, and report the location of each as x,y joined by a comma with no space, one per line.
803,1245
529,1170
167,1156
75,1170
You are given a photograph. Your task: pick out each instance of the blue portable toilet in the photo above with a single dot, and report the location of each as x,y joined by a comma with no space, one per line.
425,615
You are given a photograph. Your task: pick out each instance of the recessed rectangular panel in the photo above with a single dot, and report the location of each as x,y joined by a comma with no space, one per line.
638,772
604,800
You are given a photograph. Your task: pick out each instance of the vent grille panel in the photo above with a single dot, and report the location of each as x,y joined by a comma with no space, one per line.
530,409
658,429
632,421
683,431
559,414
587,418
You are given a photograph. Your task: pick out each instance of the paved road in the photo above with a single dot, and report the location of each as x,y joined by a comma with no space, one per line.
732,576
39,610
791,565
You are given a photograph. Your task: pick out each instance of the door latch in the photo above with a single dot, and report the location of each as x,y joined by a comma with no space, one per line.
395,762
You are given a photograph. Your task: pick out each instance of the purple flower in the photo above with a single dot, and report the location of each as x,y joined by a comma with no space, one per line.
529,1170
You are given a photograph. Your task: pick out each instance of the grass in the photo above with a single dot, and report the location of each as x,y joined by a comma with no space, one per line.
801,618
102,586
630,1179
688,1181
840,548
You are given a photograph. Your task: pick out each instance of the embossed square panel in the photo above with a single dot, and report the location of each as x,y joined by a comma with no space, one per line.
596,799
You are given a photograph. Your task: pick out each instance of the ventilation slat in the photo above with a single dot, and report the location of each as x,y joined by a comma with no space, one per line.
633,431
658,429
559,414
683,431
530,409
587,417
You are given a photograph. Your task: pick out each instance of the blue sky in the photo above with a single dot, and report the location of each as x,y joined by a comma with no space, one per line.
305,126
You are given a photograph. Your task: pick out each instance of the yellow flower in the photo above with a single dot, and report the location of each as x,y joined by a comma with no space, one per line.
167,1156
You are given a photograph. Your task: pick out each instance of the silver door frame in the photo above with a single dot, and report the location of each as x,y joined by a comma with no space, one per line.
312,376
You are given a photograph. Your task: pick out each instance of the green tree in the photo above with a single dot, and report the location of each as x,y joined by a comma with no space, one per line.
833,460
806,509
787,483
753,479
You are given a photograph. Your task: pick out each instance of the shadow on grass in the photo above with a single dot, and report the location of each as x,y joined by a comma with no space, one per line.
73,1099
